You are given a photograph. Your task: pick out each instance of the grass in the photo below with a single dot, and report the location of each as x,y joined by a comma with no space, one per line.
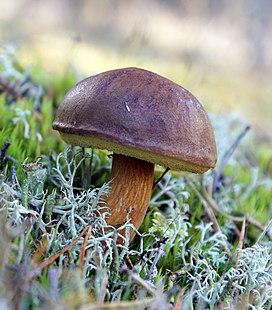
200,246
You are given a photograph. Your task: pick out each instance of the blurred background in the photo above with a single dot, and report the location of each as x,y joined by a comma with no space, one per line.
221,50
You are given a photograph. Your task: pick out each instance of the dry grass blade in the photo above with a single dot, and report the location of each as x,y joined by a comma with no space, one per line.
52,258
241,241
265,232
178,304
39,252
103,290
82,250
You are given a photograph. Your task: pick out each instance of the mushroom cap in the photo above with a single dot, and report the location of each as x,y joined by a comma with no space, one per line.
141,114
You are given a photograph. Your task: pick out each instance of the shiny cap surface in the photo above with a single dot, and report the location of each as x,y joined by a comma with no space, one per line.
138,113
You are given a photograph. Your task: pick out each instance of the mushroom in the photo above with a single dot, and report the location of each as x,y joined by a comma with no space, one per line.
144,119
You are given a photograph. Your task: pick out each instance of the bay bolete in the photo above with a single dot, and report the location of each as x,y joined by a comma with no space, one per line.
144,119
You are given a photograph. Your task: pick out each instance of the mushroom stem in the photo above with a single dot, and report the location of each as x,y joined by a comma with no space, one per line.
131,188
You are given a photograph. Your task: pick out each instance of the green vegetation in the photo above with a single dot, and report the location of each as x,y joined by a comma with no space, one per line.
205,241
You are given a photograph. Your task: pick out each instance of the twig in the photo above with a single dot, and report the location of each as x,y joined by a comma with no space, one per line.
250,220
212,218
264,232
6,87
215,207
236,230
226,156
3,154
160,178
159,254
139,281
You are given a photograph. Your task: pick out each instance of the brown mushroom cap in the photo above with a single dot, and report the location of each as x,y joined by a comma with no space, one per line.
140,114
